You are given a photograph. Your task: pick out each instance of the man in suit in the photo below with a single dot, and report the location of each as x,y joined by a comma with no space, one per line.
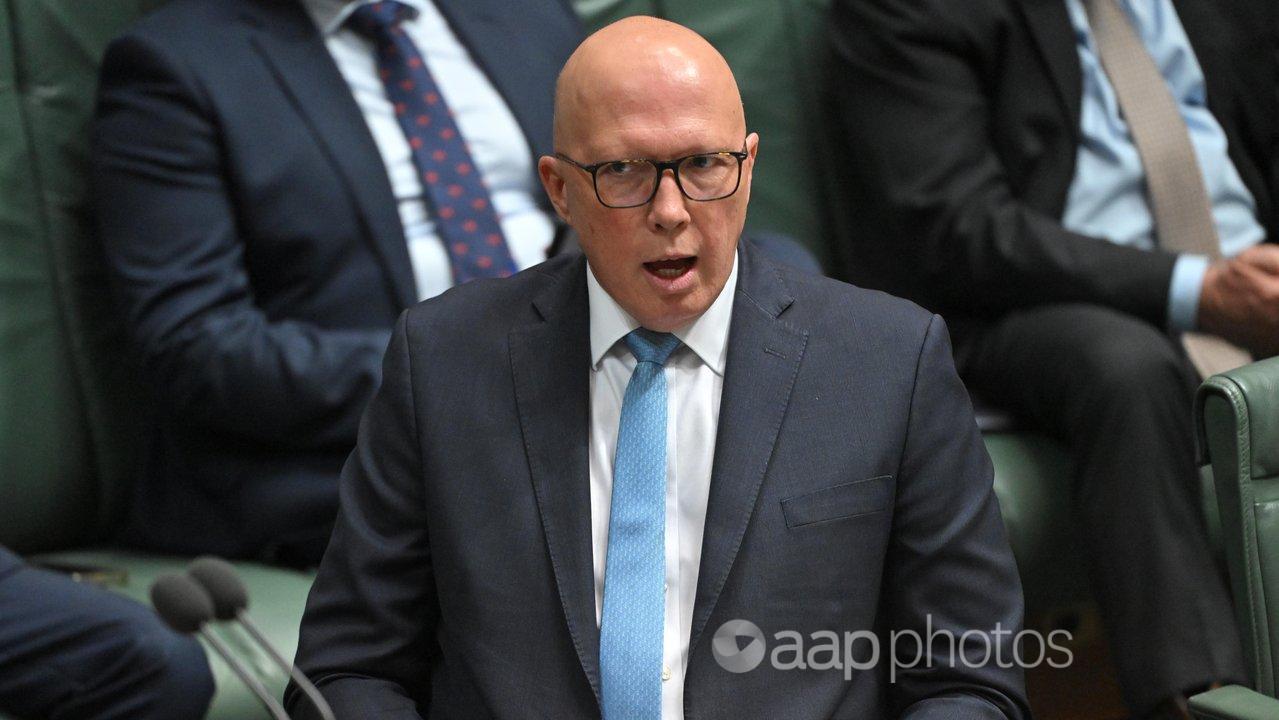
1085,188
276,181
68,650
571,481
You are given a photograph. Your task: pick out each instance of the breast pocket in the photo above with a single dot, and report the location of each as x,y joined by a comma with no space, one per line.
838,502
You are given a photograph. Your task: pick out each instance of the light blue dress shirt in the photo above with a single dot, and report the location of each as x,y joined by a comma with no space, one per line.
1108,194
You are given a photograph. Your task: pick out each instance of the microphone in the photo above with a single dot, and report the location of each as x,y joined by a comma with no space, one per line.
230,602
185,606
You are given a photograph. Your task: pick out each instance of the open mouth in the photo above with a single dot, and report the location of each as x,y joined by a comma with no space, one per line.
672,268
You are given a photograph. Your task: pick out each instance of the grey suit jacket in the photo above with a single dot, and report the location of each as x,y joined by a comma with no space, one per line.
850,491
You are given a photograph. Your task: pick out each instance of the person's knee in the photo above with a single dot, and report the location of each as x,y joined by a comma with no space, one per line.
172,672
1131,363
186,684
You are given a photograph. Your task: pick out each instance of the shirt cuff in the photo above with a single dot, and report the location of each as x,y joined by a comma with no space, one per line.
1183,293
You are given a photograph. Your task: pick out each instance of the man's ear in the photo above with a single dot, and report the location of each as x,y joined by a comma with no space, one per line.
548,169
748,171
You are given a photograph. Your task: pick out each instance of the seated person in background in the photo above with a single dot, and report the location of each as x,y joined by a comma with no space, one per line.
276,181
650,442
1086,189
73,652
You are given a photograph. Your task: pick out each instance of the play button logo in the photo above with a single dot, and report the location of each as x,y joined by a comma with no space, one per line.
738,646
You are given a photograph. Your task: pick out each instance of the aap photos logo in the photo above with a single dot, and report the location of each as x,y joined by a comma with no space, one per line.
738,646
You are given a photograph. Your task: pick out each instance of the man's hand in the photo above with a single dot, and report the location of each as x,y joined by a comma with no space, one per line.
1240,300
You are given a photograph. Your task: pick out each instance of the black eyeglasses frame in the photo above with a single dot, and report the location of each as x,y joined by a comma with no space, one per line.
662,166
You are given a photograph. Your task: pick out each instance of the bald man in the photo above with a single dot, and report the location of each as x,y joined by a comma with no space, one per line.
669,478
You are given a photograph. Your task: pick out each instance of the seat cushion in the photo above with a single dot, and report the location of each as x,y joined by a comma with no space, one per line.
276,600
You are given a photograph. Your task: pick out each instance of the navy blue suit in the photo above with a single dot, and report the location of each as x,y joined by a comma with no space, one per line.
68,650
257,253
850,491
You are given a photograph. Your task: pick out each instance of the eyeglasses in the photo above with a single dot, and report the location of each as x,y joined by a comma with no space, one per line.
630,183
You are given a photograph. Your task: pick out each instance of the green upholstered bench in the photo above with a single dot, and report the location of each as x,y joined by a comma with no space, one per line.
1238,418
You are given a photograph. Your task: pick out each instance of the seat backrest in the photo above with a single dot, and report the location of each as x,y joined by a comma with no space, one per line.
65,398
1238,418
777,52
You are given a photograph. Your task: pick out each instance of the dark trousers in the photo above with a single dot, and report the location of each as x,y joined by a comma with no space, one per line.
1118,391
71,651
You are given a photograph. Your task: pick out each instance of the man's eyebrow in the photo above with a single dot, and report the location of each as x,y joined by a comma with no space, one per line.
700,149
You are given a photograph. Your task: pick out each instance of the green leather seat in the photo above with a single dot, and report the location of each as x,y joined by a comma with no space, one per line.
68,405
1238,417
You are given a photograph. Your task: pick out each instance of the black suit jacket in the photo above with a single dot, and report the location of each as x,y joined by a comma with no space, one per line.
257,251
850,491
962,126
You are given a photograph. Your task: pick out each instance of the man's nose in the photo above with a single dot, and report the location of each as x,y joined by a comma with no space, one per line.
667,211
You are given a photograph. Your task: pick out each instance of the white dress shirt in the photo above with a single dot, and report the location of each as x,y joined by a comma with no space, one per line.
496,142
694,382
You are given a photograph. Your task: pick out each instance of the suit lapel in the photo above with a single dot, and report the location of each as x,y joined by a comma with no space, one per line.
550,362
764,354
550,365
492,41
291,46
1050,25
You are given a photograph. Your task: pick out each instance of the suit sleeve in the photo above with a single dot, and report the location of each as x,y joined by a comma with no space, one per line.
950,568
913,97
167,221
368,633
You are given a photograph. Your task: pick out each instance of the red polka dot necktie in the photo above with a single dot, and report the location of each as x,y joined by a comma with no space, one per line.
464,213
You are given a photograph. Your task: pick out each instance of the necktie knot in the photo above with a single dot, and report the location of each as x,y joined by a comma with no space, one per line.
373,19
649,346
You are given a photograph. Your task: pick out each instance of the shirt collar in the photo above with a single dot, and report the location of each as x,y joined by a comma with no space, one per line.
706,336
331,15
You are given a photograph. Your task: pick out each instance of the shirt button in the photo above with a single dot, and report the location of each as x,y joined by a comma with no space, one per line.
666,587
666,673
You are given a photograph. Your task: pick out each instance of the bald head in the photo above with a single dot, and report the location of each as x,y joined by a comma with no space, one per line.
640,70
644,89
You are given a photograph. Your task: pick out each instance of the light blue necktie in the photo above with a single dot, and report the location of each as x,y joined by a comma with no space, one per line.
632,621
